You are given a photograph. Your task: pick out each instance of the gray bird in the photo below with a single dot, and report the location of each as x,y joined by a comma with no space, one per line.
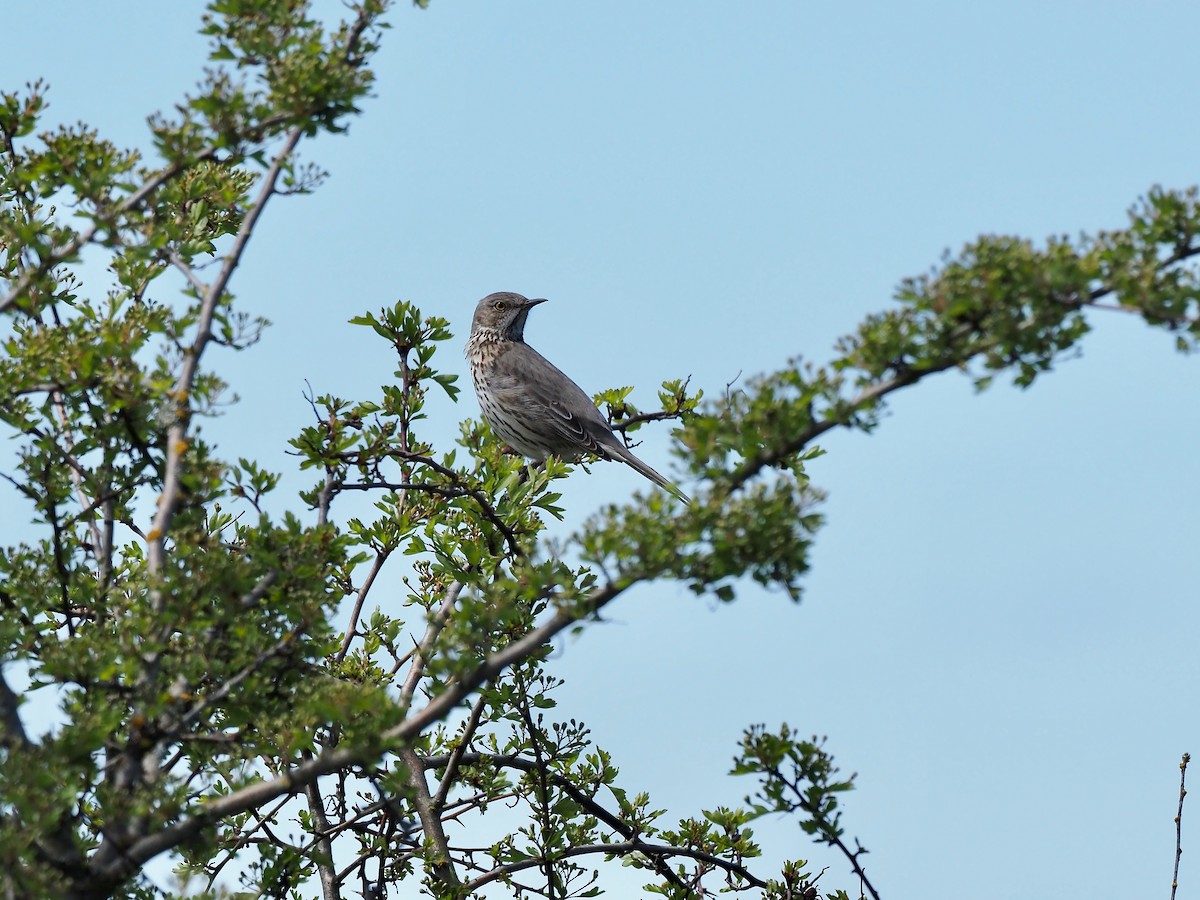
530,404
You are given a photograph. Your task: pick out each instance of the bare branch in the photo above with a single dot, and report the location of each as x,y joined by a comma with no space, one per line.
328,875
424,650
188,272
352,625
441,866
177,432
456,755
1183,764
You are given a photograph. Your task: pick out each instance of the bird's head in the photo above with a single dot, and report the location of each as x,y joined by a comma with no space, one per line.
503,313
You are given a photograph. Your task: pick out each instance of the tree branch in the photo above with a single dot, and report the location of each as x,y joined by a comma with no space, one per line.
424,649
376,565
909,376
12,730
56,845
295,779
259,132
657,852
139,746
177,431
324,844
1183,764
82,238
588,803
442,866
793,445
542,780
458,489
456,755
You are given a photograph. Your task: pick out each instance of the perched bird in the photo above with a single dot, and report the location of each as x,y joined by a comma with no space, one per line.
530,404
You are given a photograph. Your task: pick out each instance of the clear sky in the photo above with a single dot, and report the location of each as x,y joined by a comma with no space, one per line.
999,631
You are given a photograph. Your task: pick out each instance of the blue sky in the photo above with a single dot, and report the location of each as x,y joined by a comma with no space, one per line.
998,634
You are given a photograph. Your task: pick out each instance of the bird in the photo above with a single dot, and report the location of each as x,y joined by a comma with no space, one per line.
529,403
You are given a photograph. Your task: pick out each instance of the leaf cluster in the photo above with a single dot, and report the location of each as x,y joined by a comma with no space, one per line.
355,692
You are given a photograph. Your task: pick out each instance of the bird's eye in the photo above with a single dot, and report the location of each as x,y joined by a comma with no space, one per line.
501,306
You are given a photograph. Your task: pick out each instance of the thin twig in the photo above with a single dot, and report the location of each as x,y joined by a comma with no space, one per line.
641,418
229,685
541,779
352,626
188,272
451,773
828,833
244,837
866,397
457,489
85,502
1183,764
424,650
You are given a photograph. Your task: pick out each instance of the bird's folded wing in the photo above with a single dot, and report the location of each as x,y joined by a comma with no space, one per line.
522,376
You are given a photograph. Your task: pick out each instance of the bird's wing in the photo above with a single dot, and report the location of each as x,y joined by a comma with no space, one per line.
521,375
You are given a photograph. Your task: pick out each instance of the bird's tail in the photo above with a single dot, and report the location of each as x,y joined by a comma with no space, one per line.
623,453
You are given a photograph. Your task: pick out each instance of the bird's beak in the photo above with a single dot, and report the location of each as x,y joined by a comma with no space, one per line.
530,303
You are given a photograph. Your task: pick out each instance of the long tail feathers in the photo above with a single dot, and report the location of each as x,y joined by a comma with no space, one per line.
633,462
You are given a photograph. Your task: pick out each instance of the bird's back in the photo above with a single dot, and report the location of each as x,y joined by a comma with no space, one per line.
521,378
